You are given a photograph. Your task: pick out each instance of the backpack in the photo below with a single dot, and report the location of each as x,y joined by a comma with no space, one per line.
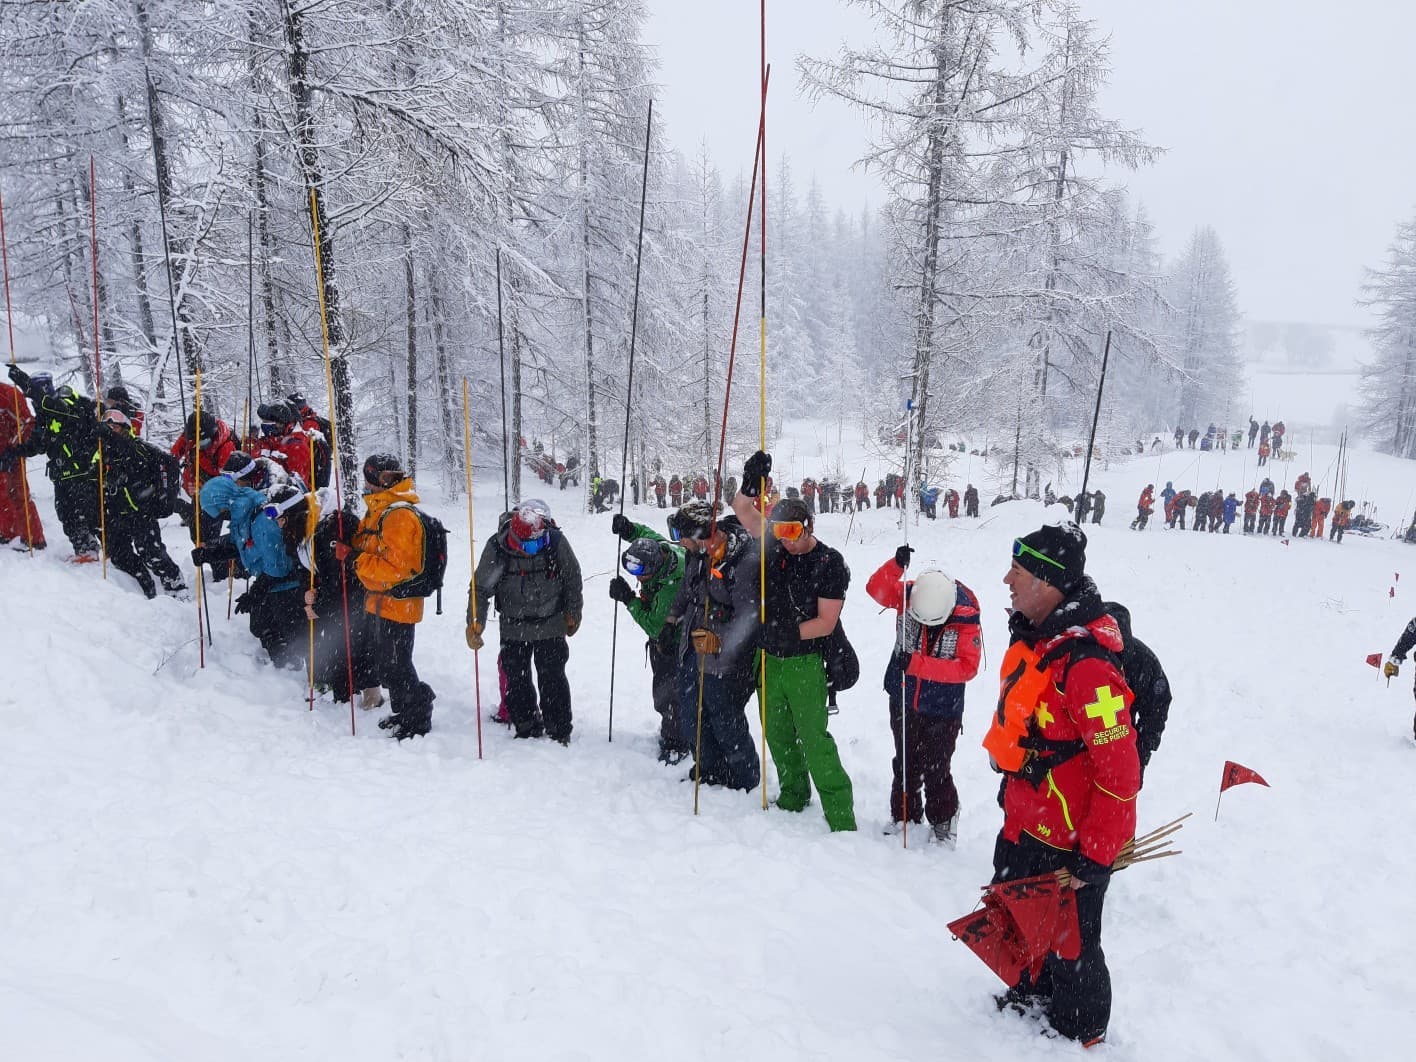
1146,680
842,664
429,580
168,471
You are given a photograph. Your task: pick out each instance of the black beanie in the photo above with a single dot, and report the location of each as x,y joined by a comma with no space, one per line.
1064,546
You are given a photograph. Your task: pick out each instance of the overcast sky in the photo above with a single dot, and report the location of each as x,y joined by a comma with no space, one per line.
1288,124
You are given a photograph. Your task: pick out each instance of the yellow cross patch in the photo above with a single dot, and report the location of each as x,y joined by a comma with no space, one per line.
1043,716
1105,707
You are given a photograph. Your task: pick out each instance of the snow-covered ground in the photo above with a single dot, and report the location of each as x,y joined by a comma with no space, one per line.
197,867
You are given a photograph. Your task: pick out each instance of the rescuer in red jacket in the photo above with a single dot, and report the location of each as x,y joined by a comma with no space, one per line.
937,645
285,440
1063,737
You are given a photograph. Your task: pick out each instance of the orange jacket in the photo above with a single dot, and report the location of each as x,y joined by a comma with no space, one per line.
391,552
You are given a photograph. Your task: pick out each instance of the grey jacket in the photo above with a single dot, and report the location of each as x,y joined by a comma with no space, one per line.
533,594
732,612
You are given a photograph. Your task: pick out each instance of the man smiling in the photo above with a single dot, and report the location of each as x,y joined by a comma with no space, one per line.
1063,737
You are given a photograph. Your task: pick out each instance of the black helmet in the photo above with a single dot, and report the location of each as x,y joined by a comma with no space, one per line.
296,400
276,413
693,520
383,470
644,557
66,392
208,426
240,465
118,393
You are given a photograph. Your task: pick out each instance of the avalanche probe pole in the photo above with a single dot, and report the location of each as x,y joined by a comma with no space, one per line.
723,435
310,593
98,369
472,553
628,399
333,449
197,510
904,587
19,420
1096,413
762,398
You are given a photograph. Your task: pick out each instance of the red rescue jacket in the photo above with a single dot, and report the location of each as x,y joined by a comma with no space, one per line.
1063,685
941,658
213,457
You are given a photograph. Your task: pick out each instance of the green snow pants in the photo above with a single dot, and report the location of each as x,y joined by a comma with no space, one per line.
801,746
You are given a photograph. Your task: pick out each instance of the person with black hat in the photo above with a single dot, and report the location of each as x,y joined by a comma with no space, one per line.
1063,738
66,432
716,608
389,550
203,449
528,568
285,440
657,565
117,397
806,590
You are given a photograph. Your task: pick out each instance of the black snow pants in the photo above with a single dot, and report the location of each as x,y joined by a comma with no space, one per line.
410,698
76,504
726,754
135,547
931,752
1075,993
278,620
551,716
663,665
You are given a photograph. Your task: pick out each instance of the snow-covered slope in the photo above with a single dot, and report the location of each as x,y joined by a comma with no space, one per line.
197,867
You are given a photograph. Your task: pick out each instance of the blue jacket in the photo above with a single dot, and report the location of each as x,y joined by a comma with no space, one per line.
1231,506
928,495
257,537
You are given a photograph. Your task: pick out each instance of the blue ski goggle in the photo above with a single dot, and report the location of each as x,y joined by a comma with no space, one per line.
633,565
271,429
533,546
675,535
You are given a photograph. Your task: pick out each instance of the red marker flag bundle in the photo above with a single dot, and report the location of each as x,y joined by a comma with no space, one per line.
1235,774
1020,923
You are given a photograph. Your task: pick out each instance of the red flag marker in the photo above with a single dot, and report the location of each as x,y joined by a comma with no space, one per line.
1375,659
1236,774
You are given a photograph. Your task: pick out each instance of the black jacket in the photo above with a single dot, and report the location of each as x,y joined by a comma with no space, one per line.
132,475
65,431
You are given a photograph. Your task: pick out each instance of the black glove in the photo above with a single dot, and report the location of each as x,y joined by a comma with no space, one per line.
8,460
246,602
1089,870
20,378
756,469
902,555
620,590
199,556
623,526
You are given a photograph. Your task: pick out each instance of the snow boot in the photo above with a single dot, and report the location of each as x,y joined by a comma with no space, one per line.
371,698
946,833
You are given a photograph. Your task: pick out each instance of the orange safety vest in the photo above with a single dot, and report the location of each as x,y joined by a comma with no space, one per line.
1023,687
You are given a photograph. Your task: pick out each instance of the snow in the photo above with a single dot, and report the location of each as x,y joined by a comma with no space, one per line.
198,867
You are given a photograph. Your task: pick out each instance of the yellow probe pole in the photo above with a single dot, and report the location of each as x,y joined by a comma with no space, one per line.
472,552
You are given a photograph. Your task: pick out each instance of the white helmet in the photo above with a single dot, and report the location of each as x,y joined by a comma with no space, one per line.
932,597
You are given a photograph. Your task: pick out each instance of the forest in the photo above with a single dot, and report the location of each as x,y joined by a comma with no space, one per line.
473,169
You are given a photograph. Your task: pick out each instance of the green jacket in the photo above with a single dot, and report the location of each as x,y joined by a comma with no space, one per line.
651,608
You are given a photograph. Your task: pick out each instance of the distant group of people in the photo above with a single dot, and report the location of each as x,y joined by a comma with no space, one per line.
929,498
1264,511
1266,438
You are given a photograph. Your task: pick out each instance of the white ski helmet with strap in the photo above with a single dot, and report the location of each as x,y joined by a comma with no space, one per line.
932,597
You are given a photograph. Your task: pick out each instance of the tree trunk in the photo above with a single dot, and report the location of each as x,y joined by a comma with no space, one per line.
411,310
592,441
307,149
135,246
279,385
453,475
162,175
933,216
